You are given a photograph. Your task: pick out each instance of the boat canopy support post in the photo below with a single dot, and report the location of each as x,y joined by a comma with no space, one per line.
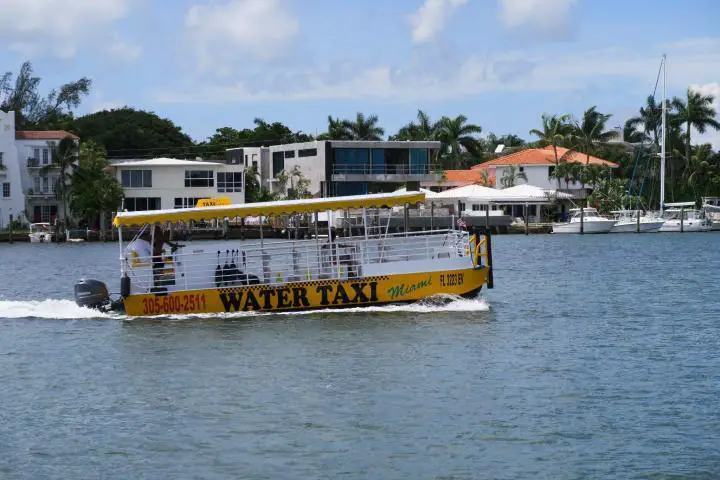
488,247
365,230
432,214
122,257
406,218
527,211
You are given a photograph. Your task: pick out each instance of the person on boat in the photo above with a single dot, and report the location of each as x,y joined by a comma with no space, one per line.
160,276
139,251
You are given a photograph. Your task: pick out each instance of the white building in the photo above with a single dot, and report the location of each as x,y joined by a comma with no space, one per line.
343,167
538,165
27,177
166,183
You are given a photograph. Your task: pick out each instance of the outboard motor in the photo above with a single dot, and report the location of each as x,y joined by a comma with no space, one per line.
92,294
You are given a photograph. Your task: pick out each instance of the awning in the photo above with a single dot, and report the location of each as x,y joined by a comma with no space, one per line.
284,207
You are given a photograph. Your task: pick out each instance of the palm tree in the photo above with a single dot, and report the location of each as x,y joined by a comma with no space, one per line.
591,131
364,128
554,130
698,112
424,129
510,174
64,161
632,135
456,136
700,170
650,118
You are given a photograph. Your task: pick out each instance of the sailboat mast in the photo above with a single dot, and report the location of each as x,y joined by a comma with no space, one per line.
662,145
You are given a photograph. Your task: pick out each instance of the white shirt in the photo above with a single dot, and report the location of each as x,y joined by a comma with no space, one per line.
139,253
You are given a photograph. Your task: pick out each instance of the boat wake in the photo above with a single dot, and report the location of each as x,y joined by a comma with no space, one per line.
68,310
47,309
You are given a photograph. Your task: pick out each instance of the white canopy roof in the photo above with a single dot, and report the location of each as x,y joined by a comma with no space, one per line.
538,193
518,194
480,194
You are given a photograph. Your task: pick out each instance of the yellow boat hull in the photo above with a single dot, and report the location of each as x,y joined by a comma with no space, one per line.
309,295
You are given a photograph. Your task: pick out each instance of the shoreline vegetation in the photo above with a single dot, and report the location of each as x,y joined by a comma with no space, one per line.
86,187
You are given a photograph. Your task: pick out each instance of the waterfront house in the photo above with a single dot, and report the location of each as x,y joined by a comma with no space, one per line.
344,167
167,183
538,165
27,175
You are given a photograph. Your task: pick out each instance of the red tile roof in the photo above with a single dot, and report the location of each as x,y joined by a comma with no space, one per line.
542,156
44,135
466,177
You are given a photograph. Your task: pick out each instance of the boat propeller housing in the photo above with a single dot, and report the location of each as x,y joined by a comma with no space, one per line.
91,294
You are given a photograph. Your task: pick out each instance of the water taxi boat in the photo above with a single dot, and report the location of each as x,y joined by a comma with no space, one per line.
309,272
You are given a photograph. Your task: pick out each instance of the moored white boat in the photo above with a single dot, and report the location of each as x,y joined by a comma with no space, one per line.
589,221
682,217
41,232
627,222
376,267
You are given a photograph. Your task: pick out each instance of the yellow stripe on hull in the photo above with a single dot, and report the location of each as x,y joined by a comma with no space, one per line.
308,295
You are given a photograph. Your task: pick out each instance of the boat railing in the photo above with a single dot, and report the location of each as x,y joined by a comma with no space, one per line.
278,262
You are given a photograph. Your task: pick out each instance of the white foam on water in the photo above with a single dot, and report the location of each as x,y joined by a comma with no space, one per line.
50,309
437,304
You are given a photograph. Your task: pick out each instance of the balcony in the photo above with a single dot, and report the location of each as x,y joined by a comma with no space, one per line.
386,173
41,193
35,163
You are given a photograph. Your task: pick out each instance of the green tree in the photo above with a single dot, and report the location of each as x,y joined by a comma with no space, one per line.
555,129
591,132
609,194
93,190
650,119
363,128
34,111
64,155
254,192
697,112
701,170
424,129
456,137
337,130
510,175
130,133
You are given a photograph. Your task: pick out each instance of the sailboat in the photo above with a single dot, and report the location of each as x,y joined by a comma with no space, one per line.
681,216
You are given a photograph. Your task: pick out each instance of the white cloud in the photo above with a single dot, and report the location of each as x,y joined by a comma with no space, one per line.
544,18
502,72
710,136
123,50
222,33
56,27
429,20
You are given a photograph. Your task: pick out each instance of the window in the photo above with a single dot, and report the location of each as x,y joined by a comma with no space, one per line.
45,185
134,204
199,178
307,152
278,163
352,160
229,181
1,164
36,154
290,154
136,178
551,171
521,169
461,206
6,190
476,207
418,161
186,202
46,156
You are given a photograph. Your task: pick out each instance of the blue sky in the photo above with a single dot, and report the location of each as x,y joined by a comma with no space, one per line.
212,63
